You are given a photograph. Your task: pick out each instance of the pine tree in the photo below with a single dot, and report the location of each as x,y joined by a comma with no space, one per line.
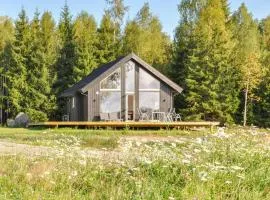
85,33
51,42
109,46
66,60
211,80
38,98
14,61
155,51
184,42
247,54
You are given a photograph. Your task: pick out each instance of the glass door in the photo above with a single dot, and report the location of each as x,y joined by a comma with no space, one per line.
130,108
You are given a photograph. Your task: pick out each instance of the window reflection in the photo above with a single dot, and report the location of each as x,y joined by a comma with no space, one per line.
110,101
149,101
130,76
146,81
112,82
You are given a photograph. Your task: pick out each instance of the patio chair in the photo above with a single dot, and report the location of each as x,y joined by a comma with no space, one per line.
104,117
169,115
114,117
142,115
176,116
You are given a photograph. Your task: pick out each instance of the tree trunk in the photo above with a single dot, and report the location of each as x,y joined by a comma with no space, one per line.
245,108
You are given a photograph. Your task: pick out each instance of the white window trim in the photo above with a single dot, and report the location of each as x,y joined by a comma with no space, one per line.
149,90
110,90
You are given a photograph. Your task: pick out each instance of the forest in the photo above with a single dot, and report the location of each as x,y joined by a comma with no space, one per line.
221,58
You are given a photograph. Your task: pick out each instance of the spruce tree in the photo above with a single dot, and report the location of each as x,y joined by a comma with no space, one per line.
14,61
38,99
51,43
211,80
109,46
85,39
66,60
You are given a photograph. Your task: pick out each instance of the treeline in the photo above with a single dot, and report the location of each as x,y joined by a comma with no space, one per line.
220,58
41,58
222,61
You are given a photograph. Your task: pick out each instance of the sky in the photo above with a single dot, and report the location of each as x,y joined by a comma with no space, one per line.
166,10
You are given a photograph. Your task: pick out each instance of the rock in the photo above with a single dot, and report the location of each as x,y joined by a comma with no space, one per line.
21,120
11,123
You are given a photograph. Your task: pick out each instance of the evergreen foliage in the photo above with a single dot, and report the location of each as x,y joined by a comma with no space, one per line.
220,58
85,40
14,63
155,51
211,87
247,54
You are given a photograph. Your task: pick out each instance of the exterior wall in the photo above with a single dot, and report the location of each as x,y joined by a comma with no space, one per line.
92,105
165,98
77,110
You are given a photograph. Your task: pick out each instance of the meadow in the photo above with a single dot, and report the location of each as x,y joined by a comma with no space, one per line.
127,164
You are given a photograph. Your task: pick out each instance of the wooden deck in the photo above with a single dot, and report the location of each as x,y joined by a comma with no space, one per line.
142,124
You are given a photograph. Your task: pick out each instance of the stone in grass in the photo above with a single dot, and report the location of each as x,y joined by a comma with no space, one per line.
11,123
21,120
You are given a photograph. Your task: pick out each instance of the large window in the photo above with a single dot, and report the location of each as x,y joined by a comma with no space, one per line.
110,101
149,92
113,81
130,76
147,81
110,93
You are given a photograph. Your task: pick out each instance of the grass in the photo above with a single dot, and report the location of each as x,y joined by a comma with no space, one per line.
204,166
88,138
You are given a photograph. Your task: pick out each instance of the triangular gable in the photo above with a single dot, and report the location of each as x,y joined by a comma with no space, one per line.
98,74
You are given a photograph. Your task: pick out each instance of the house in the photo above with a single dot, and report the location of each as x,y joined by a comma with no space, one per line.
124,86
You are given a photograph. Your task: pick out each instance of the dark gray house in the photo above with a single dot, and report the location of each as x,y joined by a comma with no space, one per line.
123,86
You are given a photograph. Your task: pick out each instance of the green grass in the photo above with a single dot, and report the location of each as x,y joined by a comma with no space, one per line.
203,167
88,138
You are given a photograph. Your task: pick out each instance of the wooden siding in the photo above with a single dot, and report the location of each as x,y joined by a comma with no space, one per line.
165,98
87,108
93,103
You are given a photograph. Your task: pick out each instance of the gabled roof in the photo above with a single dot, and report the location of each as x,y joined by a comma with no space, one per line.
83,85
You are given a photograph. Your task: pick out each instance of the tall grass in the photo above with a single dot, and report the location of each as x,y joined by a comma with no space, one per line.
235,166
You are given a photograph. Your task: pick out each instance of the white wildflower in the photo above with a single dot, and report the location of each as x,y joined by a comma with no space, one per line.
237,167
82,162
74,173
228,182
240,176
203,176
171,198
173,144
185,161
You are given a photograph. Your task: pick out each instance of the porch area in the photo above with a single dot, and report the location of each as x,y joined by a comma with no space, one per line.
128,124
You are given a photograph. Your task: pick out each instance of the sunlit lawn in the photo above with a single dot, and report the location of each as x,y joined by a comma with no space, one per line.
205,166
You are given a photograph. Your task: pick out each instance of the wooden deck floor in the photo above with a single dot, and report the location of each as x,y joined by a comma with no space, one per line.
144,124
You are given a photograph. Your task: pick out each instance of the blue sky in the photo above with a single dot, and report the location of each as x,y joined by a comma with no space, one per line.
166,10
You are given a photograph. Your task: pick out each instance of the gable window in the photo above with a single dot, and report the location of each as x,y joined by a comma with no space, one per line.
147,81
113,81
149,92
110,93
130,76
